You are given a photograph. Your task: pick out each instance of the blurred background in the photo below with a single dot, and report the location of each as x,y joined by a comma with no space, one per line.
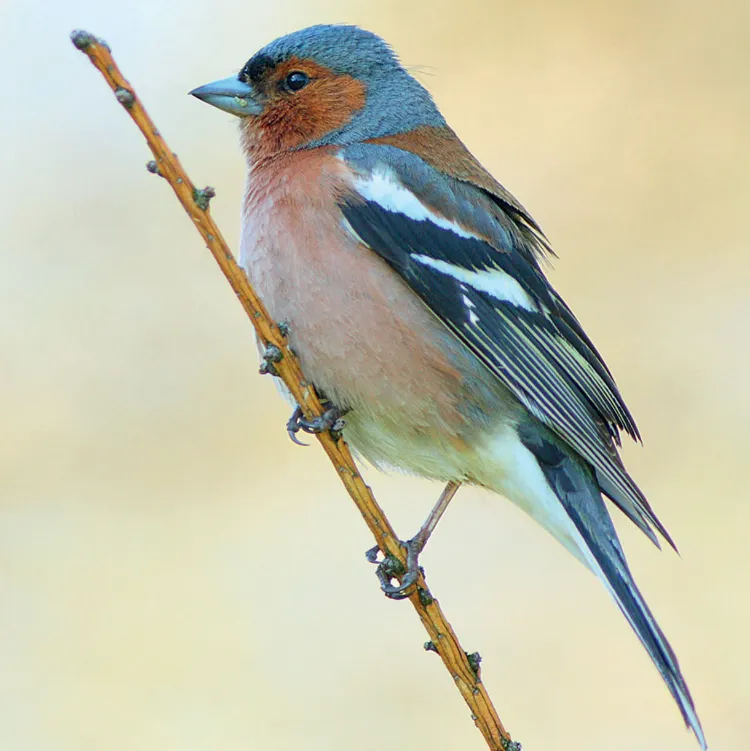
176,575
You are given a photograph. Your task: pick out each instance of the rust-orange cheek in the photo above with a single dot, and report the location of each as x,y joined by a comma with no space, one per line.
293,120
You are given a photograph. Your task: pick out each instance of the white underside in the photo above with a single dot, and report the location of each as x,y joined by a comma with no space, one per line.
510,469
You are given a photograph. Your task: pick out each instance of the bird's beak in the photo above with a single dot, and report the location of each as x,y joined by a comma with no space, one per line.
231,95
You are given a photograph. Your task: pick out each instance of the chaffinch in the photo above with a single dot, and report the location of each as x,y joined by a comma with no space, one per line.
410,280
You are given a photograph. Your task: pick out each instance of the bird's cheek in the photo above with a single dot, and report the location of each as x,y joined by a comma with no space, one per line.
288,123
323,108
334,104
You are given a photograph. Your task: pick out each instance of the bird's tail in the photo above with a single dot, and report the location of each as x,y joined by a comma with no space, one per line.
575,486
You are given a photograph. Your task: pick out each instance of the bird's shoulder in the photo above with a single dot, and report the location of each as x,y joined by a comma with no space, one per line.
435,165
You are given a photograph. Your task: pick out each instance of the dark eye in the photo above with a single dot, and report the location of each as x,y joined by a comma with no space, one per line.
296,80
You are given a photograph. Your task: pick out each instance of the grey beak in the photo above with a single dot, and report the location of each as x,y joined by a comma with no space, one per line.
231,95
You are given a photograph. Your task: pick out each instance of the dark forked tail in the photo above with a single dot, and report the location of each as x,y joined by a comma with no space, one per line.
574,485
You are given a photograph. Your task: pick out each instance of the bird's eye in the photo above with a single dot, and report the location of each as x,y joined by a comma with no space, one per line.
296,80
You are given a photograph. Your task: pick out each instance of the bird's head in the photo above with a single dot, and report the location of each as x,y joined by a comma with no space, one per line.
323,85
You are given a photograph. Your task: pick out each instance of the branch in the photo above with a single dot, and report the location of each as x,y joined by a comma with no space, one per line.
463,668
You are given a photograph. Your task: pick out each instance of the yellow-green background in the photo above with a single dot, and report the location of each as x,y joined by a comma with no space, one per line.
175,575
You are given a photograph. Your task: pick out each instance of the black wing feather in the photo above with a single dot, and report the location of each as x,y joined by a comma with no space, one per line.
542,355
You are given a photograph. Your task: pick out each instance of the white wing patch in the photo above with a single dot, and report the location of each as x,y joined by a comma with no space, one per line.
383,187
494,282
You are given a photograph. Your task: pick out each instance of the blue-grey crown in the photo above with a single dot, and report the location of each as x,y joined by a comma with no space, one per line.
396,102
343,49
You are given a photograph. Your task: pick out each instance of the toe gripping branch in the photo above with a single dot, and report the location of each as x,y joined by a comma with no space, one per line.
270,357
331,420
389,569
271,354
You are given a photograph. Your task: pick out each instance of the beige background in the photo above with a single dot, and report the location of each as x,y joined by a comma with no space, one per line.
176,575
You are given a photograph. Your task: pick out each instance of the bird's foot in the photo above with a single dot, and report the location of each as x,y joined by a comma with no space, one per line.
331,420
270,356
390,568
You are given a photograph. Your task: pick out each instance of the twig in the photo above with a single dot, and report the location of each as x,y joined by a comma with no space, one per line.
463,668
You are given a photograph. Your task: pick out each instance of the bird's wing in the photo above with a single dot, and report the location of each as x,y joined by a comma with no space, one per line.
474,260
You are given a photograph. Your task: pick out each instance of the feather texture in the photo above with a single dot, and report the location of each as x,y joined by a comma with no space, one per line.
536,348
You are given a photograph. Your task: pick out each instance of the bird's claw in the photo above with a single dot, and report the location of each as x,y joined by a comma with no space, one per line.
293,427
390,568
331,420
270,356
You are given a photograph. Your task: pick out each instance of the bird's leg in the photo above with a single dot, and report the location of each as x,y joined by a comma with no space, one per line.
331,420
413,548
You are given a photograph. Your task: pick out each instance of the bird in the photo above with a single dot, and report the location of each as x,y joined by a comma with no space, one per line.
412,287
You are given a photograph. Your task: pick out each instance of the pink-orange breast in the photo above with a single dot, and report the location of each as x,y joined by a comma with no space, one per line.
362,336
